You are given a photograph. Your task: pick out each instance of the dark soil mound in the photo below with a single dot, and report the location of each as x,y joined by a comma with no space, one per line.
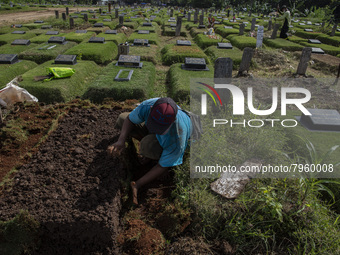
71,187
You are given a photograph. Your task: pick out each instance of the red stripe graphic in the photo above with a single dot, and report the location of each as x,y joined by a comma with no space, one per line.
213,90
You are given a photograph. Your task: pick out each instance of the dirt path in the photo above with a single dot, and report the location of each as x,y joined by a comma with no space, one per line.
22,17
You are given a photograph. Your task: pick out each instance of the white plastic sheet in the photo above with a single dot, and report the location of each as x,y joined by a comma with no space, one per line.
12,94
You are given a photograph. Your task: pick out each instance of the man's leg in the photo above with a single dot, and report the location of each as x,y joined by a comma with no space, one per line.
139,130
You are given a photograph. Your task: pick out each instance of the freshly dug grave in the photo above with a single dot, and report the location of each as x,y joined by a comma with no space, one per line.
71,187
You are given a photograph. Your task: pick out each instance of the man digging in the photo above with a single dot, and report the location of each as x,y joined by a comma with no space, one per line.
163,130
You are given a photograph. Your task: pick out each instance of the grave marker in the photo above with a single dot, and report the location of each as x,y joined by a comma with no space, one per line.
259,38
52,33
141,42
71,23
21,42
97,40
86,18
246,60
201,20
241,31
314,41
39,21
118,78
321,120
253,23
98,25
121,20
147,24
317,51
195,64
19,32
143,32
67,12
56,14
304,59
224,46
66,59
183,43
276,28
308,30
334,29
178,26
129,61
123,49
81,31
57,39
63,15
109,31
8,58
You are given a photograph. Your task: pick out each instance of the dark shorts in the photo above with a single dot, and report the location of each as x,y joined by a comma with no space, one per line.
149,145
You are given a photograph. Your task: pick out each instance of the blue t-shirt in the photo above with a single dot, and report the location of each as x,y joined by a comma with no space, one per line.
175,141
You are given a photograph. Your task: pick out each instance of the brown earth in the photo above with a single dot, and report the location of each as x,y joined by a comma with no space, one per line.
71,187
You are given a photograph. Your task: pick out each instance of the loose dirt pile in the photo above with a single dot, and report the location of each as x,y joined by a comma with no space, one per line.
71,187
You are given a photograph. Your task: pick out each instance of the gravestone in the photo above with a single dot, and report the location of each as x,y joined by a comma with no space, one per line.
21,42
195,64
223,69
314,41
201,26
183,43
63,15
98,25
321,120
241,31
18,25
304,59
141,42
143,32
308,30
109,31
107,20
81,31
276,28
116,13
224,45
56,39
270,22
201,20
196,16
189,16
39,21
123,49
228,27
129,61
56,14
246,60
67,12
302,24
171,12
259,38
71,23
66,59
334,29
97,40
19,32
52,33
172,25
317,51
8,58
121,20
147,24
86,18
178,26
253,23
118,78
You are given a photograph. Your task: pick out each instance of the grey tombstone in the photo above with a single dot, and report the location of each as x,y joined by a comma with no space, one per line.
224,45
304,59
97,40
196,16
66,59
317,51
172,25
63,15
71,23
8,58
21,42
246,60
107,20
39,21
129,61
259,38
276,28
18,25
143,32
56,39
86,18
314,41
67,12
98,25
253,22
118,78
141,42
308,30
19,32
195,64
52,33
46,27
334,29
323,24
109,31
56,14
123,49
116,13
81,31
223,69
242,26
178,26
183,43
171,12
121,20
228,27
147,24
321,120
189,16
201,20
270,22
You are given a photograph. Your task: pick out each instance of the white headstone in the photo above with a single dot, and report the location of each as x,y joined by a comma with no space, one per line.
259,38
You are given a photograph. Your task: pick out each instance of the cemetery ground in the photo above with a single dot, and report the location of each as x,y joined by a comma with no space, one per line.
61,194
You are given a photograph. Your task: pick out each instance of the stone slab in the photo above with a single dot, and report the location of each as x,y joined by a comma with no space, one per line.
66,59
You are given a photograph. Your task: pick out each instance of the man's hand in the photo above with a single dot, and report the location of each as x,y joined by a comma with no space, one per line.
116,149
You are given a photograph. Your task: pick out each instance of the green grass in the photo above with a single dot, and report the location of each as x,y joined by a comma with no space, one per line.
111,24
242,42
150,54
8,29
152,37
167,31
9,72
307,35
235,54
34,25
172,53
60,90
196,31
9,38
79,37
280,43
131,24
97,30
101,53
117,39
141,85
332,50
335,40
179,81
225,32
41,56
43,38
15,49
204,41
296,39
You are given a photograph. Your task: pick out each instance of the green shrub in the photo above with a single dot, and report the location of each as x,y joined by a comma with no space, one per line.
15,49
334,40
152,37
60,90
117,39
9,38
140,86
101,53
205,41
332,50
242,41
282,44
179,81
43,38
176,54
9,72
225,32
43,55
307,35
235,54
79,37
